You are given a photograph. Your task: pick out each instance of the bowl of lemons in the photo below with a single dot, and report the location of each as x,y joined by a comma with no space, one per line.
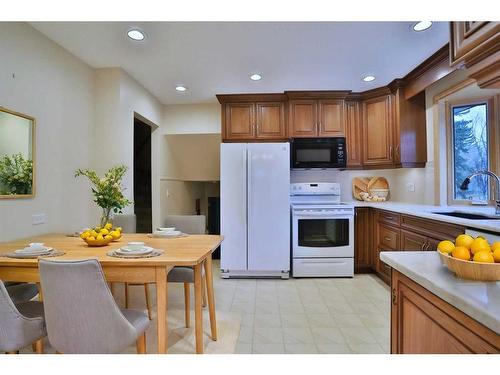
471,258
101,236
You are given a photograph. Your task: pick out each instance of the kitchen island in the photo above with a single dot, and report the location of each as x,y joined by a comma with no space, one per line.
433,311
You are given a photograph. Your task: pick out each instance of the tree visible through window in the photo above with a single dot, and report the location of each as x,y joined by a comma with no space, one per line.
470,150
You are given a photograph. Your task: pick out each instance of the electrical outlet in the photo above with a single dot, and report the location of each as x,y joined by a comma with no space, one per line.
38,219
410,186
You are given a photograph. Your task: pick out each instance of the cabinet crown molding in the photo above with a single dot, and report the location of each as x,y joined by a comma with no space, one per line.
233,98
324,94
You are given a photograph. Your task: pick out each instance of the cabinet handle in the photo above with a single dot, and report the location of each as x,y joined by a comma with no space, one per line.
394,297
397,151
422,247
390,153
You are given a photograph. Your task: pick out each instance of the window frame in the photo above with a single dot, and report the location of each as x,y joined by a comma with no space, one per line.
493,143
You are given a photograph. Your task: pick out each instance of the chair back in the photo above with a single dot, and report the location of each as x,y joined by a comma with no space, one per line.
190,224
127,222
16,330
80,311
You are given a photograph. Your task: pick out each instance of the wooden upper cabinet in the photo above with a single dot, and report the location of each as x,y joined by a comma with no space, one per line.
331,118
239,120
476,45
270,122
353,135
377,131
303,118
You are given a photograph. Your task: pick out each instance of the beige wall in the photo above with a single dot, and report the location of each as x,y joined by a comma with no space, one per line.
42,80
15,135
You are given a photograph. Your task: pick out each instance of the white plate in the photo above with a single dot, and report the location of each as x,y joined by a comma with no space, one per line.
125,251
27,250
171,233
167,229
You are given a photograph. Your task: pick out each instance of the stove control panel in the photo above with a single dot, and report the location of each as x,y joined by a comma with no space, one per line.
315,188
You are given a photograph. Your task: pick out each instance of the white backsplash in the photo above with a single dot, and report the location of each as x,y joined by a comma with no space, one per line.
398,182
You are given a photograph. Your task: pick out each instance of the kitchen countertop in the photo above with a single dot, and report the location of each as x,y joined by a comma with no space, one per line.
478,299
426,211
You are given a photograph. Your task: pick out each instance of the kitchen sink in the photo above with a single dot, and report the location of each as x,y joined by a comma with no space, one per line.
467,215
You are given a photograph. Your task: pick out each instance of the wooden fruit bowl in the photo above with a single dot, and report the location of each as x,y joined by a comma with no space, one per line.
466,269
98,243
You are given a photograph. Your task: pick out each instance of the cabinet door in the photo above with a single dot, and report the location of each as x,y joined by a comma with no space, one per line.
303,118
239,121
472,41
377,131
353,135
331,118
363,241
270,122
412,241
382,269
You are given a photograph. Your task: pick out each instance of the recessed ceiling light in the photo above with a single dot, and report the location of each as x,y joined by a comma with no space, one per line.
368,78
256,77
136,34
181,88
421,25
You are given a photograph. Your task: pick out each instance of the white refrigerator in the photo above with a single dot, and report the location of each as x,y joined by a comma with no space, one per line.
255,209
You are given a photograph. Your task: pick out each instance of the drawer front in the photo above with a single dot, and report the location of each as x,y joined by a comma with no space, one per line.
323,267
388,237
431,228
389,218
383,270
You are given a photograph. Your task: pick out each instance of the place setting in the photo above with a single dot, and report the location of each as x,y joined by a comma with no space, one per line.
135,250
34,250
167,232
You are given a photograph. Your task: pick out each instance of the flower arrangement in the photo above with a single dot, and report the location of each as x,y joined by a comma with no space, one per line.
16,175
107,190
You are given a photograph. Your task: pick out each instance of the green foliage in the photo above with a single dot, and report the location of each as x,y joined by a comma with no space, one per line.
107,190
16,175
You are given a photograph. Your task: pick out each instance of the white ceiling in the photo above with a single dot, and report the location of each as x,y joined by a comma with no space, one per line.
218,57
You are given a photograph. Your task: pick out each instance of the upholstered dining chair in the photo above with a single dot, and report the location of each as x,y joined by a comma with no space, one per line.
81,313
20,324
21,292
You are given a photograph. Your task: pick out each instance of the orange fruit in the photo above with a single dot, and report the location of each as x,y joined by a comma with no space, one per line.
461,252
496,254
495,246
446,247
484,256
479,244
464,240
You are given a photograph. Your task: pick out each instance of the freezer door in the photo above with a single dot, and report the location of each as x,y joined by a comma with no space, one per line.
268,206
233,206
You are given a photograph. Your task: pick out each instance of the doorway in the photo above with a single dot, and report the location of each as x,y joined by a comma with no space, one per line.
142,176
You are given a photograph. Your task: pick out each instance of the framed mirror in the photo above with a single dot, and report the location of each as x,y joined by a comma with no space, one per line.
17,155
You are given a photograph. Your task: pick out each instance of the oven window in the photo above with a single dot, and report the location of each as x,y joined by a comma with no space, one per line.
313,155
323,232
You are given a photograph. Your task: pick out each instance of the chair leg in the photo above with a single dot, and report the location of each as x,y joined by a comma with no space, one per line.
112,288
187,307
204,287
141,344
126,295
38,344
148,303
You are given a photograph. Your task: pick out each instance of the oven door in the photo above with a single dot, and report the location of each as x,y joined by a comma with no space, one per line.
321,233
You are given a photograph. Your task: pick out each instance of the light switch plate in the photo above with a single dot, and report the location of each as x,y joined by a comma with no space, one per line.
410,186
38,219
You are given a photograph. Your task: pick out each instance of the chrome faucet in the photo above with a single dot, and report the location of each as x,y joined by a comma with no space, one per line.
466,182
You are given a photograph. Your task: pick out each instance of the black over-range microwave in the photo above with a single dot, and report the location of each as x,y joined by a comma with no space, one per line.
318,153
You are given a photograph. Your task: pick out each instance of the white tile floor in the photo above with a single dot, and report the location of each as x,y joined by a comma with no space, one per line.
308,315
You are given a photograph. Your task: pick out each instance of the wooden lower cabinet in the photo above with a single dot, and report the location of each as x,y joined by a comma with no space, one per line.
422,323
413,241
363,241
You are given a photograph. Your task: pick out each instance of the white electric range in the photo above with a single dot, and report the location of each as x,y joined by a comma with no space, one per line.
322,231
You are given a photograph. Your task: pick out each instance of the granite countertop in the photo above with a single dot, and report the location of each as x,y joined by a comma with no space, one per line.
426,211
478,299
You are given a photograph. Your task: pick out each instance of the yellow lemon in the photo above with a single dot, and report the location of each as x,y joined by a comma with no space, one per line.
104,232
119,229
115,234
85,234
461,252
446,246
108,237
495,246
97,229
90,238
479,244
94,233
484,256
99,237
108,226
496,255
464,240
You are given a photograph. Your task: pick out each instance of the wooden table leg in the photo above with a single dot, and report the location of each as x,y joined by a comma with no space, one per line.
161,308
211,298
198,313
40,295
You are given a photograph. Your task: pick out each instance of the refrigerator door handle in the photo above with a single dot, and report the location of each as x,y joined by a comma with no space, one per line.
249,196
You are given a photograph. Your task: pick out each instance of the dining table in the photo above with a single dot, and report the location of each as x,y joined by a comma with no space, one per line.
190,250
